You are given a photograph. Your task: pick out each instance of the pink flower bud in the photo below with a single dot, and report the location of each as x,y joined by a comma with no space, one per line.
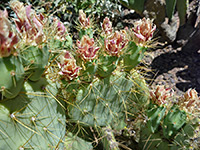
61,30
28,23
107,26
86,48
189,100
143,31
85,22
190,103
161,95
7,38
68,68
115,43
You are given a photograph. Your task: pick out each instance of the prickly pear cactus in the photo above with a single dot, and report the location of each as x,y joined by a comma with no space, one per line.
171,125
31,115
34,119
99,83
97,80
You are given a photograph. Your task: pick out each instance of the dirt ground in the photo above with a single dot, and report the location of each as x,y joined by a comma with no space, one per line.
175,64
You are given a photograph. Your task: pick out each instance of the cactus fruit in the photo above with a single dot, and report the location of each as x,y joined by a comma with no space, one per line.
68,68
143,31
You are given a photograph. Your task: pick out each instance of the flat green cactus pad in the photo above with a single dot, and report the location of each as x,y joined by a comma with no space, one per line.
32,120
35,60
102,102
76,143
12,76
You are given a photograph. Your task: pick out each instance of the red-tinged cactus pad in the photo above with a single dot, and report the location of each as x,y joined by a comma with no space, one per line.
12,76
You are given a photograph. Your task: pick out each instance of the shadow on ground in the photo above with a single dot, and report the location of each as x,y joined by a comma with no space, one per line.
188,57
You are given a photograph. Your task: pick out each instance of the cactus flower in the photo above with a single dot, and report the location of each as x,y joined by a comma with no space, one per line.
61,30
28,23
115,43
84,21
86,48
68,68
161,95
7,38
143,31
190,102
107,26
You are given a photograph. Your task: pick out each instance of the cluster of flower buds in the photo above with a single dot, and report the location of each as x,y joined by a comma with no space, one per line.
60,29
87,48
28,23
190,102
161,95
83,20
107,26
67,65
143,31
116,42
7,37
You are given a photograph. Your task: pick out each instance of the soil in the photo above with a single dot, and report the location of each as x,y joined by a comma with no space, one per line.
176,64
